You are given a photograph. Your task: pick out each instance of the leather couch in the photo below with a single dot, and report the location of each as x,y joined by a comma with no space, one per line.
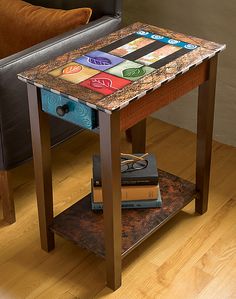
15,137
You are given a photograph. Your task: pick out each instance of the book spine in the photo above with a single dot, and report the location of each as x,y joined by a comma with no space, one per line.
135,182
139,204
132,204
129,193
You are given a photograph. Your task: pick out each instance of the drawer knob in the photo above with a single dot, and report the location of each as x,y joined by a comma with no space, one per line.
62,110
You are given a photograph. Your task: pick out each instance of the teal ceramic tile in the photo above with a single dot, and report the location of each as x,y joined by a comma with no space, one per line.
130,70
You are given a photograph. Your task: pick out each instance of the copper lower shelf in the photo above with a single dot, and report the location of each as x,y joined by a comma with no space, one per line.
85,227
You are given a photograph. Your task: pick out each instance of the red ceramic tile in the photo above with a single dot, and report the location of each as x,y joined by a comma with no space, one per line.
105,83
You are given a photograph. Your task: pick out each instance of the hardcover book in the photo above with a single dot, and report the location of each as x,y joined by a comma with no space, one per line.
132,204
146,176
128,193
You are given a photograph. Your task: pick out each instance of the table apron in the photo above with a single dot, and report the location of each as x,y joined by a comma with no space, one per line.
163,96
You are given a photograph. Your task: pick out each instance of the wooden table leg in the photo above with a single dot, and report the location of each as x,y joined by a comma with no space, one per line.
42,166
6,193
206,102
111,182
138,133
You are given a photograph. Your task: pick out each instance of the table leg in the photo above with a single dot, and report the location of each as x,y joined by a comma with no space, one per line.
138,133
111,182
6,193
206,102
42,166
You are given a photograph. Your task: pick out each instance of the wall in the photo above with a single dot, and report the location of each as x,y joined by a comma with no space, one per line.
209,19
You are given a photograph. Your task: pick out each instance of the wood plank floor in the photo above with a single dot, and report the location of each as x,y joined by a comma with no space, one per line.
190,257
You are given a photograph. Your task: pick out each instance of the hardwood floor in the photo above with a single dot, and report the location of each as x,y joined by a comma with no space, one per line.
190,257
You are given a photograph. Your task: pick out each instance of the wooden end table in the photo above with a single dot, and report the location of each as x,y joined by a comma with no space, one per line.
114,84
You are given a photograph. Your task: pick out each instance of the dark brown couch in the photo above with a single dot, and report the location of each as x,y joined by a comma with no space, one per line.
15,139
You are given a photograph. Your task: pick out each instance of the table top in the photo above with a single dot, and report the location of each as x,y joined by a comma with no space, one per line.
121,67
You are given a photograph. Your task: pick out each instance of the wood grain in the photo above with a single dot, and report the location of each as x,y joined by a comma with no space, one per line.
41,143
205,119
111,191
6,195
191,255
139,110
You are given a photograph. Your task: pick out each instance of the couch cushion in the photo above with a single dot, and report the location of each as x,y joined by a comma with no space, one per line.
23,25
100,7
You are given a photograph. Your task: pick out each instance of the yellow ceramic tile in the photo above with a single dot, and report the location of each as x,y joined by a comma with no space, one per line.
73,72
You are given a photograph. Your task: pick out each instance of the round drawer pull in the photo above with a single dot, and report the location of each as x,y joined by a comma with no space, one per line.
62,110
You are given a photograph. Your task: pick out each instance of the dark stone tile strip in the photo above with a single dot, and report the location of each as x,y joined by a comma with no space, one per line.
144,51
119,43
169,58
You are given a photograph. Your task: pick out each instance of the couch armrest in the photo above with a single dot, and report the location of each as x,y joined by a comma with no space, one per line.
14,118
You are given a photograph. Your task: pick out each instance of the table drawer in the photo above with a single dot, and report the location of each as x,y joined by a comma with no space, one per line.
69,110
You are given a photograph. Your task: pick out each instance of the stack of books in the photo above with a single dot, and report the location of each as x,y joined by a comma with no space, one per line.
139,188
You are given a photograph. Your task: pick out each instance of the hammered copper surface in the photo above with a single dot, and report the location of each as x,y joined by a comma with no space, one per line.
121,98
85,227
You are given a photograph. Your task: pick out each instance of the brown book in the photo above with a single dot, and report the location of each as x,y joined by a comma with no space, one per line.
148,192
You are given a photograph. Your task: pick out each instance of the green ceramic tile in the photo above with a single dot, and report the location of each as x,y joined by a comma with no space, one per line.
130,70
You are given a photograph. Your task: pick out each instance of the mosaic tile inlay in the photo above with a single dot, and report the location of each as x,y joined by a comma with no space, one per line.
130,70
158,54
105,83
132,46
73,72
118,68
99,60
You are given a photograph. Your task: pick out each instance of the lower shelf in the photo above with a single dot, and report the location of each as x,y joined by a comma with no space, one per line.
85,227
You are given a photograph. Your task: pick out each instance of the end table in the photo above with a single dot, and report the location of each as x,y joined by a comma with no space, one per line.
111,85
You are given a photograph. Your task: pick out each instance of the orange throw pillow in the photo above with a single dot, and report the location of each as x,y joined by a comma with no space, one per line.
23,25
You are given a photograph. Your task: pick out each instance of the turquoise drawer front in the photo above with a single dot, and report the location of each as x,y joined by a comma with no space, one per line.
71,111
